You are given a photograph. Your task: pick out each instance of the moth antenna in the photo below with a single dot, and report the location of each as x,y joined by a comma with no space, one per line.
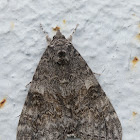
28,84
46,33
70,38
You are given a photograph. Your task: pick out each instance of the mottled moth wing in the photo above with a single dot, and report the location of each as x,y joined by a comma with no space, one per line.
65,99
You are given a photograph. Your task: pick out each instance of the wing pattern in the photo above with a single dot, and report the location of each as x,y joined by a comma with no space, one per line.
66,99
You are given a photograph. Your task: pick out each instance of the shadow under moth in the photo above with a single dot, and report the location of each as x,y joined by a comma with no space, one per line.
65,99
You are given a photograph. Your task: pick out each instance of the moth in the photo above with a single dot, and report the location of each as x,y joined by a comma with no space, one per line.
66,100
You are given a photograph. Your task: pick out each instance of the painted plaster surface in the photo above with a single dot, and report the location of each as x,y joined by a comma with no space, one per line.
108,38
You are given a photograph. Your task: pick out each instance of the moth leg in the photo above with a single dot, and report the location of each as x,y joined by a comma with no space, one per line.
70,38
47,37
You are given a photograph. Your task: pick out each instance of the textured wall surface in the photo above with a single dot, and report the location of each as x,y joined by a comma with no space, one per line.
108,38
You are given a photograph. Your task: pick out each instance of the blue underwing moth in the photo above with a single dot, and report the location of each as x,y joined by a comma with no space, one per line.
65,99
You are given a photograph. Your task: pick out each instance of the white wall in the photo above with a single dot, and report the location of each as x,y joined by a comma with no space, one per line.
107,38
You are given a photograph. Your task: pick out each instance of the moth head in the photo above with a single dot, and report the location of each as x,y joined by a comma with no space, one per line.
58,35
60,49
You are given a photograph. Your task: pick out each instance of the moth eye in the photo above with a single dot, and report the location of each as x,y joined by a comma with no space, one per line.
54,37
63,36
69,44
50,46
